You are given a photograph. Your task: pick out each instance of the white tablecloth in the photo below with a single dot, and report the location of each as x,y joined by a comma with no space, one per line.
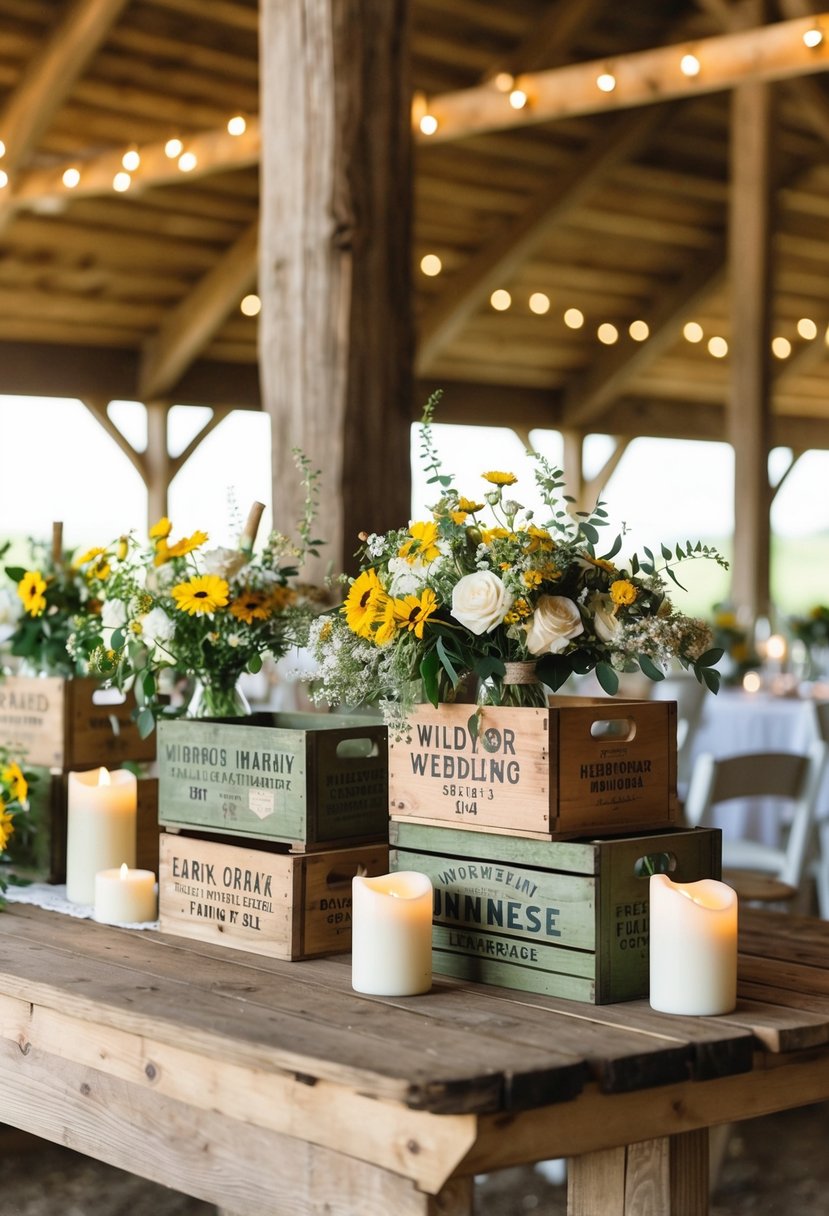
735,722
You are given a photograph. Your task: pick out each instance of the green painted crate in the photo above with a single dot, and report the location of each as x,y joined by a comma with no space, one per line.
308,780
565,918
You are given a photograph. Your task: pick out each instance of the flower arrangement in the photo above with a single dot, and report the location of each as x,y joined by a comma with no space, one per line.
59,595
735,642
14,790
170,607
812,629
473,592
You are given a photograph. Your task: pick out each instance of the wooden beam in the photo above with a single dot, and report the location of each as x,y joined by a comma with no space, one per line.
50,75
749,427
498,260
159,474
97,406
177,462
551,38
193,322
765,52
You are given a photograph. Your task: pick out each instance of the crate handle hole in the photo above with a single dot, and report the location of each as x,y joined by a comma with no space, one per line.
357,749
655,863
108,696
337,878
620,729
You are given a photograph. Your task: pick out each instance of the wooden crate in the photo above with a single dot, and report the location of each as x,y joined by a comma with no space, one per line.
284,905
585,766
566,918
69,724
309,780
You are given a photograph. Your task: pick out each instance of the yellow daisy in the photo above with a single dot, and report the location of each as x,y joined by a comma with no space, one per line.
89,556
412,611
6,826
467,504
201,595
161,530
423,545
490,534
364,603
388,628
30,589
533,578
540,538
123,548
12,776
187,544
622,592
251,606
500,479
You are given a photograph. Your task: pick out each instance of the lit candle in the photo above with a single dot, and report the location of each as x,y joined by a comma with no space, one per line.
125,897
100,829
391,934
693,946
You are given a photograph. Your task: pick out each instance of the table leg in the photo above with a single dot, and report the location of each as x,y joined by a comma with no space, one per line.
664,1177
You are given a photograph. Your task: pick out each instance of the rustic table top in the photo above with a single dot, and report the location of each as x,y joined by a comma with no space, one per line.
462,1048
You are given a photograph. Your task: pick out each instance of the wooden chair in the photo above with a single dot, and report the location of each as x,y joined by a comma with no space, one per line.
789,776
689,694
820,868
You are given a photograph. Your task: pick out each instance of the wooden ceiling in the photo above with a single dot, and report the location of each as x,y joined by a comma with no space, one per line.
620,215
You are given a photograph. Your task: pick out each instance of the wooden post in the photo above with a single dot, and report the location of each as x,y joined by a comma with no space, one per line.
749,425
668,1176
157,462
335,329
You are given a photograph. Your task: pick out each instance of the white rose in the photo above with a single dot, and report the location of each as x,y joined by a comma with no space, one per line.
157,627
224,562
605,621
480,601
555,621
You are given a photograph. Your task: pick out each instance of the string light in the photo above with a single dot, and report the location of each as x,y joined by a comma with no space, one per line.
500,300
813,37
607,333
504,82
826,336
689,65
121,182
518,99
187,161
70,178
251,305
781,347
639,330
2,148
539,303
428,124
718,347
692,331
4,179
606,82
173,148
431,264
131,160
807,328
574,318
237,125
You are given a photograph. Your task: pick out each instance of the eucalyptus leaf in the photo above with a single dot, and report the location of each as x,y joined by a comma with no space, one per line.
608,678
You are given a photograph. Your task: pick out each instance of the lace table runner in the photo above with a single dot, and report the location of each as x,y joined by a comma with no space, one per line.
53,898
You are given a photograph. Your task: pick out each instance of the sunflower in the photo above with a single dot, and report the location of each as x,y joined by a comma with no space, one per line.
364,603
250,606
12,777
30,589
412,611
423,544
161,530
281,597
389,626
622,592
89,556
201,595
499,479
6,826
187,544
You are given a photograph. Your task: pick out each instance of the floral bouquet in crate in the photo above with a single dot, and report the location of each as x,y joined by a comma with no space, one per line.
175,608
484,591
14,805
59,595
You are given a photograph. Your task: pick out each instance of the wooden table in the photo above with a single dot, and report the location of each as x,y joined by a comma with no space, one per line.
270,1087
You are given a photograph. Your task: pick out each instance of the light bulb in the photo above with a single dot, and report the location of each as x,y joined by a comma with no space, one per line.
173,148
70,178
237,125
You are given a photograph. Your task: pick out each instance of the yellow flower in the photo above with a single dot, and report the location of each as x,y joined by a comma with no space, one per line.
726,620
466,504
89,556
500,479
622,592
162,553
518,612
186,545
136,627
100,570
30,589
601,562
251,606
458,517
12,777
533,578
201,595
540,538
423,545
326,629
549,572
123,549
490,534
161,530
412,611
280,597
388,628
364,603
6,826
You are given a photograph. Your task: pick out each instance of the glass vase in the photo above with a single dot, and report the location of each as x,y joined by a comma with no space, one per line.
520,688
217,699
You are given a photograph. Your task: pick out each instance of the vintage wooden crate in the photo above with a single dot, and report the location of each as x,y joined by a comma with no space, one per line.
585,766
309,780
566,918
281,904
69,724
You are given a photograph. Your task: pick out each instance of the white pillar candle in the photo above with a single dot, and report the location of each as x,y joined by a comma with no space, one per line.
391,934
693,946
125,897
101,828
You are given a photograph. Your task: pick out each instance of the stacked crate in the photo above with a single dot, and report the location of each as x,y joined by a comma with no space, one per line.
539,829
57,726
268,819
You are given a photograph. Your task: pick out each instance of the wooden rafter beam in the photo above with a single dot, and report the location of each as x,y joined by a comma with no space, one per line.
551,37
177,462
50,75
198,317
466,291
764,52
97,406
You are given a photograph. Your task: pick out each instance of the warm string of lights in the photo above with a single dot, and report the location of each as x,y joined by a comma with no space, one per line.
638,330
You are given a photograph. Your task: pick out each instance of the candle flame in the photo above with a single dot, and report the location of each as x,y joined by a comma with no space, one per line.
124,871
104,777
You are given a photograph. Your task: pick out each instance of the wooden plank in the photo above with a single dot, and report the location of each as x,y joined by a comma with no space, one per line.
689,1166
